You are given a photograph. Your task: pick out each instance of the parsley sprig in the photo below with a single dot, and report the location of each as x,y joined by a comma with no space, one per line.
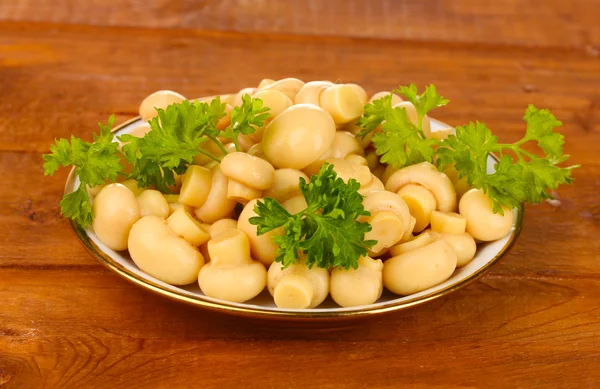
245,119
327,231
520,176
94,163
175,138
401,142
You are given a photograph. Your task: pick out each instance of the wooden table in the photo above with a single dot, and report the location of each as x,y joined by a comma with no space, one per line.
67,322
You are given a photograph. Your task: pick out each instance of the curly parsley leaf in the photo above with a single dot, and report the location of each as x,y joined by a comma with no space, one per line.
77,206
374,115
401,143
525,177
540,127
94,164
172,143
327,231
423,102
245,118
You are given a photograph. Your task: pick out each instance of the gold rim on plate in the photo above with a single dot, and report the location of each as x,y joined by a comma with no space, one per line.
258,312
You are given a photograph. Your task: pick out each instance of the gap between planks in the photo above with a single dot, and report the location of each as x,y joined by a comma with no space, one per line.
587,51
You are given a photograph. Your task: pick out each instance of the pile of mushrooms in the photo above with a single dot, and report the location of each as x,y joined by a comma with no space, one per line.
427,223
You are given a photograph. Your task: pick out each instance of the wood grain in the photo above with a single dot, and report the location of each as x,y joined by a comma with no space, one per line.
67,322
527,329
90,90
553,24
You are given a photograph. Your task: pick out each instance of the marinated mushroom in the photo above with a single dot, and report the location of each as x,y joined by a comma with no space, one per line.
285,184
378,172
395,98
463,244
231,275
115,210
264,82
245,142
356,159
183,224
421,204
342,103
372,159
389,170
241,193
277,102
311,91
217,205
416,242
354,129
215,229
225,120
196,186
441,133
344,144
174,204
347,170
387,229
160,99
360,91
288,86
295,204
262,246
297,286
419,269
355,287
221,226
248,170
448,222
482,223
152,202
426,175
158,251
248,176
298,136
374,185
381,200
408,233
257,151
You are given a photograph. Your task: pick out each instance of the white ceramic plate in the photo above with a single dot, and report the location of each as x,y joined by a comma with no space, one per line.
120,262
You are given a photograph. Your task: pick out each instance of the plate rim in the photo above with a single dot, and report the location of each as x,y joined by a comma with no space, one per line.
252,311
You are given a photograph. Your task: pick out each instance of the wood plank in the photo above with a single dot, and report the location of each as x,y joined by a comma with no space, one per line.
513,22
51,88
529,333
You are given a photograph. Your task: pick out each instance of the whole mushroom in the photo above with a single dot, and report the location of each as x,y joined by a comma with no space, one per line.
158,251
231,274
298,286
361,286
